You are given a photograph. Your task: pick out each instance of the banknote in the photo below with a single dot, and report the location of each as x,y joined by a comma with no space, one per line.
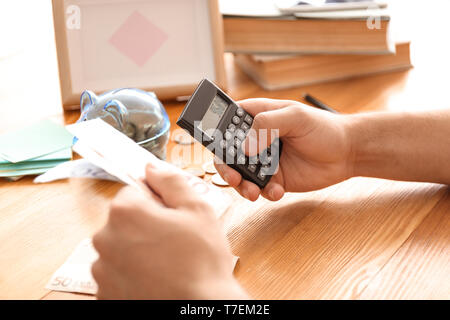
109,149
81,168
75,274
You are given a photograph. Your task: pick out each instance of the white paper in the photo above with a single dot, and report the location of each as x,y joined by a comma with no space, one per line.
120,156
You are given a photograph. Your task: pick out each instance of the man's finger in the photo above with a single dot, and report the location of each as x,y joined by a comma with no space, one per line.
267,126
258,105
273,191
227,173
130,198
172,187
248,190
245,188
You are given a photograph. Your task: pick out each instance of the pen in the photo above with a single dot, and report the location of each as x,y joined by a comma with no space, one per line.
318,104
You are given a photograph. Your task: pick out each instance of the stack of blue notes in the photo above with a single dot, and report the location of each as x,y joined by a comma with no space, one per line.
34,150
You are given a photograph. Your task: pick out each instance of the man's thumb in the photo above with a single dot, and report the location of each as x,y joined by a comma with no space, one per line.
267,126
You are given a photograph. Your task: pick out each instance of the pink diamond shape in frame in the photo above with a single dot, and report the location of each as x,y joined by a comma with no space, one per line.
138,38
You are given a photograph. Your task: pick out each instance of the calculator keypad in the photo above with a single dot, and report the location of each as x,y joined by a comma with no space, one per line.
261,174
245,126
240,112
222,144
228,135
241,159
258,167
232,151
240,134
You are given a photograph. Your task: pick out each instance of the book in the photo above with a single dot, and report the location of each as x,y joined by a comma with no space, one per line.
251,8
277,8
274,72
268,30
365,14
293,6
324,36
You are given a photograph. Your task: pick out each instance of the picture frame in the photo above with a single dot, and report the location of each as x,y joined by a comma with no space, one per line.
164,46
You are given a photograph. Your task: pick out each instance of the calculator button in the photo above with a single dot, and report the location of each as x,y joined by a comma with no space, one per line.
222,144
252,167
253,160
240,134
232,151
265,158
245,126
241,159
237,143
240,112
228,135
261,174
232,127
236,120
248,119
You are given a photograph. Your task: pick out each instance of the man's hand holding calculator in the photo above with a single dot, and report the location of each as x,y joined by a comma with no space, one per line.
322,148
316,149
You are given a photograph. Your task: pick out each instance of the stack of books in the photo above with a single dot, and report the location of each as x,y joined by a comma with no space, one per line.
34,149
282,46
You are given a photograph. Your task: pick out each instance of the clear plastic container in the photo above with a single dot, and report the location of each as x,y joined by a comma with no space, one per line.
137,113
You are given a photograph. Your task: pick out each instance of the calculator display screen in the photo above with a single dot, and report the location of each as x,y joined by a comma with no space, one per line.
213,115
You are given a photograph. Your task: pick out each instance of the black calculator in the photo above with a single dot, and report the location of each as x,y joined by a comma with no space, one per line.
215,120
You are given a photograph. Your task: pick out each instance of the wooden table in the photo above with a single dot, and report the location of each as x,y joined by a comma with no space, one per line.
361,239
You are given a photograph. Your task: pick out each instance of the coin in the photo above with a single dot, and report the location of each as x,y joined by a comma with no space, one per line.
195,171
217,179
183,138
209,167
180,164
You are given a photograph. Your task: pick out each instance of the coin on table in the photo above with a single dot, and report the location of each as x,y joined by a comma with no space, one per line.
180,164
217,179
183,138
195,171
209,167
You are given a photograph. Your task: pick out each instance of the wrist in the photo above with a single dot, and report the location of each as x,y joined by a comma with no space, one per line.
354,131
349,128
371,145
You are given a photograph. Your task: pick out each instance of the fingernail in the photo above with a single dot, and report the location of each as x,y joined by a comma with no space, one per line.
272,194
226,177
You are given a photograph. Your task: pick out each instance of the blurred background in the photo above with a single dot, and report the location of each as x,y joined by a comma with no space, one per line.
29,85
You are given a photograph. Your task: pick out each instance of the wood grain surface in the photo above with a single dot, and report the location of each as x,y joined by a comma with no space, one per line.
361,239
